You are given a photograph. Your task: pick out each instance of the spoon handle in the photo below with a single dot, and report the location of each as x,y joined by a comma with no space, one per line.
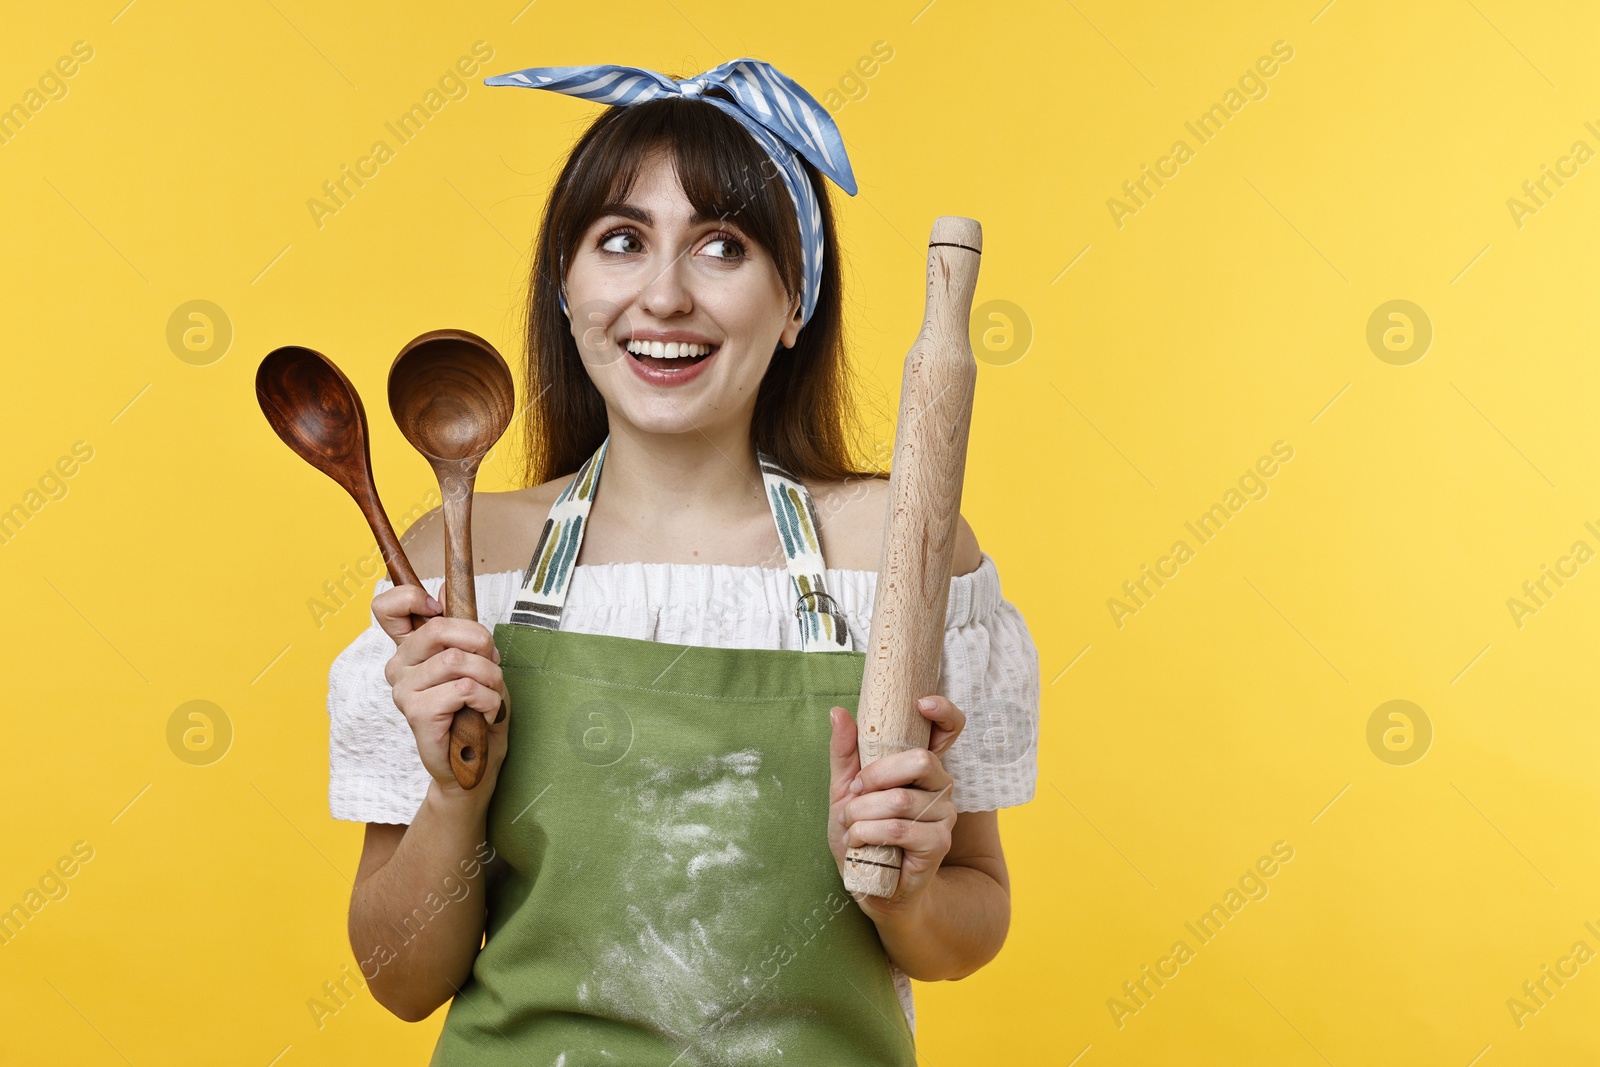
467,739
469,730
365,494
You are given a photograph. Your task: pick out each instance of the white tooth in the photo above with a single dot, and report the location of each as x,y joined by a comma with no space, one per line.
672,350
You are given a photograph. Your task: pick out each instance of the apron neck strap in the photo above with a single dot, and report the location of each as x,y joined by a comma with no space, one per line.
549,574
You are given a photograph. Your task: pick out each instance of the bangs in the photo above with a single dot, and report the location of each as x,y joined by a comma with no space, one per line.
723,172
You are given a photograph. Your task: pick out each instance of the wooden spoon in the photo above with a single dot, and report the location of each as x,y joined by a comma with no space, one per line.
451,395
318,413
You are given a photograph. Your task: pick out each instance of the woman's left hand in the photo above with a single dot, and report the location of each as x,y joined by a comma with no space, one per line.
900,799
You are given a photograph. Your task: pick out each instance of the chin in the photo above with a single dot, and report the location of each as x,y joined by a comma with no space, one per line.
664,417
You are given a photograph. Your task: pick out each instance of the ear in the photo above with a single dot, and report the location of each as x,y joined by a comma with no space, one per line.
791,329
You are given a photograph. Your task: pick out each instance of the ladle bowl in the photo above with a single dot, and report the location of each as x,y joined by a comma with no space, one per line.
451,395
317,412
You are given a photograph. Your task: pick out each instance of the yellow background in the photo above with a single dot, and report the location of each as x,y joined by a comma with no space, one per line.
1229,313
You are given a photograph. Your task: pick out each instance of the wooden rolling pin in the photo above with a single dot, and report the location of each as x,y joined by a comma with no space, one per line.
913,586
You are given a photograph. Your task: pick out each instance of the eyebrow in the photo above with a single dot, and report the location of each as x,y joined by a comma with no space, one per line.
639,214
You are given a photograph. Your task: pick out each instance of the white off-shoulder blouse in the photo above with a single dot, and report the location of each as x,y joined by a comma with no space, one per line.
989,669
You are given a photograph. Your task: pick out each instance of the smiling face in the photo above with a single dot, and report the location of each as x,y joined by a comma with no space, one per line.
647,269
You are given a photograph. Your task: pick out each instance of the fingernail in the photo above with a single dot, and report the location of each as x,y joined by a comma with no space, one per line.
855,785
497,653
926,703
435,605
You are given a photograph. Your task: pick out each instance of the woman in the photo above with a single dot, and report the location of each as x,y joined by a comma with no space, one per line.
654,853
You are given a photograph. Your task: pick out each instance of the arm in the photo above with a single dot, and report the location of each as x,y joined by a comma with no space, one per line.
962,918
418,908
417,911
952,903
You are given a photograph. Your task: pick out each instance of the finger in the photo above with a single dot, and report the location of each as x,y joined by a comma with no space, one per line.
442,632
843,758
449,664
913,837
406,599
918,805
441,702
914,767
947,719
393,609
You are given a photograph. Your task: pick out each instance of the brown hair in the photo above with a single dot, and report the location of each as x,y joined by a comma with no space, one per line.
803,417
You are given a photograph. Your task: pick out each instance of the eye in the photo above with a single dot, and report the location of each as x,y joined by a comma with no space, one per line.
620,232
726,240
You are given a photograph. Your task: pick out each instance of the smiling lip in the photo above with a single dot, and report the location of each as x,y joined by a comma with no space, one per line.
667,377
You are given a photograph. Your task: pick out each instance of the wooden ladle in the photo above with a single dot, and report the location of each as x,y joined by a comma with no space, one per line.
452,397
318,413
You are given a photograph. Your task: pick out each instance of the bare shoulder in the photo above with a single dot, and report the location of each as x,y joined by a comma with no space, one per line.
505,530
852,514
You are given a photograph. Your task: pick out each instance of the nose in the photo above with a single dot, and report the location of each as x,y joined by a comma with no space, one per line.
666,293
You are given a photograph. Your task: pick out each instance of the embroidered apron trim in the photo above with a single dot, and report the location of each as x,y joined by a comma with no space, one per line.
549,575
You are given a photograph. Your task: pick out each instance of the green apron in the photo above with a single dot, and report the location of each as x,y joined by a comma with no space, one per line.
668,897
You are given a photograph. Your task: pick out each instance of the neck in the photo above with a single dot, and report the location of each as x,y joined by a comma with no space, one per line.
700,478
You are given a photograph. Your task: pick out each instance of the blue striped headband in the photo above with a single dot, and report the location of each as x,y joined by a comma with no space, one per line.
782,117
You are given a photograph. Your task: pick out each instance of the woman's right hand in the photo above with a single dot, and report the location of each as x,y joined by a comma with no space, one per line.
440,667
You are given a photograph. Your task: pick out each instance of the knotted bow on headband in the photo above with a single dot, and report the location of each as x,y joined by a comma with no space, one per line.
782,117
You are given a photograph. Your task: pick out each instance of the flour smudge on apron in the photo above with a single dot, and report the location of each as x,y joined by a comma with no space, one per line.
669,961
